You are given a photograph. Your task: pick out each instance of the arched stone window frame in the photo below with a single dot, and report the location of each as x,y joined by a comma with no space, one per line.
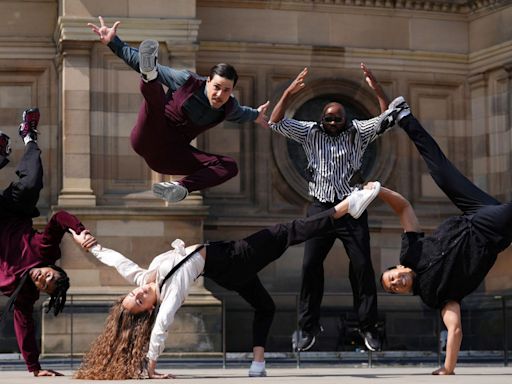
355,93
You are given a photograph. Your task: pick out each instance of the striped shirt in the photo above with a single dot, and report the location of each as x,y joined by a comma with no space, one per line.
332,160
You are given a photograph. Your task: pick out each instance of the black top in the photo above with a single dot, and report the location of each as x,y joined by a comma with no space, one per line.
449,264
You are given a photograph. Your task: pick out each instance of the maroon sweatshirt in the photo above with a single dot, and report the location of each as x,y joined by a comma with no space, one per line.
23,248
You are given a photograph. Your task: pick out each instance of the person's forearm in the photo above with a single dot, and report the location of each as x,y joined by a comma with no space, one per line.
453,343
280,108
381,97
242,114
55,230
402,208
124,266
128,54
25,331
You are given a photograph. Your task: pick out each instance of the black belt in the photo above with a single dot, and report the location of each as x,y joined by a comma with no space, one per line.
175,268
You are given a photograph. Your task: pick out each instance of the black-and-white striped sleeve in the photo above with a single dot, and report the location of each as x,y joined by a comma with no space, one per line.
293,129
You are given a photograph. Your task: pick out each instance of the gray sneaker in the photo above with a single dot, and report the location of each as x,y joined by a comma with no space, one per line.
148,59
360,199
171,192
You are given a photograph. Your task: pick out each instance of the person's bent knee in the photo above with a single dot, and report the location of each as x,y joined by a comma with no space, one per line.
231,166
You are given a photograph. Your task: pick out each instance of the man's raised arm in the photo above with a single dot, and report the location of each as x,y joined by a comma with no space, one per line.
280,108
402,208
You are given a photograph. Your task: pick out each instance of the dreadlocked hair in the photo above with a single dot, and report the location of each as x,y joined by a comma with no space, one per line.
119,352
58,296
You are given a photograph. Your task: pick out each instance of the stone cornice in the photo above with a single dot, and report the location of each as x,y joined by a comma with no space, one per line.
131,29
490,58
446,6
330,57
23,48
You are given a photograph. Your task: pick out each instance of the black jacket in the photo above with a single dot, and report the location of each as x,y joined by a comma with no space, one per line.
449,264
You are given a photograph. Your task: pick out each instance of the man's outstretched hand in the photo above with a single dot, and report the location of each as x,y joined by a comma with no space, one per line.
105,32
262,118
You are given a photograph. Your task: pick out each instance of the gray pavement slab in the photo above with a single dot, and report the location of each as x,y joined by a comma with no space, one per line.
327,375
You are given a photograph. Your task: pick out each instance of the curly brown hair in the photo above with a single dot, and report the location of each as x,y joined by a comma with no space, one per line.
120,351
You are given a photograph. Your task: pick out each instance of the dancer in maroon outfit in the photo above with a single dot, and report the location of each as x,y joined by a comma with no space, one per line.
27,257
168,122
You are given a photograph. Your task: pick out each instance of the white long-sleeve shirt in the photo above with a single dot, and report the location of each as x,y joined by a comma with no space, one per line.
174,291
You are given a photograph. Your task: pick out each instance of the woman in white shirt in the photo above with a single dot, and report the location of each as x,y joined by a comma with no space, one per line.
135,332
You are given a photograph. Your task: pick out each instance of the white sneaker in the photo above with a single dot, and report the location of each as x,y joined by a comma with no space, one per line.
148,59
257,369
359,200
172,192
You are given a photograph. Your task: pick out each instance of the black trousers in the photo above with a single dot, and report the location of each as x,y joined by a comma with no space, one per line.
235,264
21,196
491,218
355,236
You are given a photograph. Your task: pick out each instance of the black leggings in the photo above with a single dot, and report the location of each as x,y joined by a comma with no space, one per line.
20,197
488,215
235,264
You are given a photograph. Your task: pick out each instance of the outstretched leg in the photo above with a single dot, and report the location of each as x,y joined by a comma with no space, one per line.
21,196
269,244
235,260
461,191
258,297
495,223
149,135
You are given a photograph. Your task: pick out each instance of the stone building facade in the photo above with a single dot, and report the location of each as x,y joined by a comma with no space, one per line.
451,59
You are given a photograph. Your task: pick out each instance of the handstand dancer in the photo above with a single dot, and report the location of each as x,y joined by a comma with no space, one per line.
451,263
167,123
27,257
119,353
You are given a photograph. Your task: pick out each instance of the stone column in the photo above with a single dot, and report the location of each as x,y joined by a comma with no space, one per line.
74,90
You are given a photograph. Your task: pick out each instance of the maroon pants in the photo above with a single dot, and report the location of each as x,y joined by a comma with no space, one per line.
166,151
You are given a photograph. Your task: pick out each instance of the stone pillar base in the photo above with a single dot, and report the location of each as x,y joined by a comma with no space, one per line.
78,200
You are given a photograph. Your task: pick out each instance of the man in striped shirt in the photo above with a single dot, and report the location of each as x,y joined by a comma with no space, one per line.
334,149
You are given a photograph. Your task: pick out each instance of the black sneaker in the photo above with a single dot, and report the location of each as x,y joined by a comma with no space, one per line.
148,59
371,340
304,341
28,126
5,149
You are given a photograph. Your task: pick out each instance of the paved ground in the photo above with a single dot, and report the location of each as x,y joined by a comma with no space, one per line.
392,375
